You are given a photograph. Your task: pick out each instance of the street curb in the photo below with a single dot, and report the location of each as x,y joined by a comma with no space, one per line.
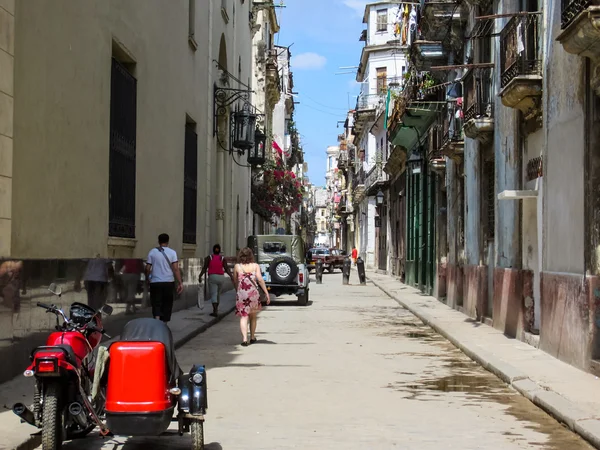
560,408
35,441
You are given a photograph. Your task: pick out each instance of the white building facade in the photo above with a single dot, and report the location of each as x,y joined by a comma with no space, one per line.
382,68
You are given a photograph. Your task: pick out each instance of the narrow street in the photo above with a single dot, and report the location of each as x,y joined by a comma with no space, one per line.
351,371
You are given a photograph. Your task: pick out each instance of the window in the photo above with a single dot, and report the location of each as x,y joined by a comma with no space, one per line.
190,183
274,247
192,24
382,80
122,152
382,20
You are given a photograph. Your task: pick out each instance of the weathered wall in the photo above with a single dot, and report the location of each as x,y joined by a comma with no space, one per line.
472,162
7,25
563,163
507,157
62,133
567,331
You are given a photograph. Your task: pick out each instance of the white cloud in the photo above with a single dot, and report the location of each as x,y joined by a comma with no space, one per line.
357,5
308,61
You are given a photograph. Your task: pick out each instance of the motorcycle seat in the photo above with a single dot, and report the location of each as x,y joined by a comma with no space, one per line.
152,330
67,350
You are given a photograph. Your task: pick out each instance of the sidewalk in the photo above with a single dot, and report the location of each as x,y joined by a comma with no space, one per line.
571,395
185,325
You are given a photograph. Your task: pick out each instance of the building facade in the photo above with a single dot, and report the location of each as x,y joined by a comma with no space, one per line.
120,121
381,70
492,167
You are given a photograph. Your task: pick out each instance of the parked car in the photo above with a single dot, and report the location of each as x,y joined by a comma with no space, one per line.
283,265
332,258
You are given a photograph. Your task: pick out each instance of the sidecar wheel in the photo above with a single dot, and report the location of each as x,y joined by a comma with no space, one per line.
197,432
52,418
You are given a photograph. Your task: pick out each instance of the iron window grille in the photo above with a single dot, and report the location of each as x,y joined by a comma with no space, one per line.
122,159
190,186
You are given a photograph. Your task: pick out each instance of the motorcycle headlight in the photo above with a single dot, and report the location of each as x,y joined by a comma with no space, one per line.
197,378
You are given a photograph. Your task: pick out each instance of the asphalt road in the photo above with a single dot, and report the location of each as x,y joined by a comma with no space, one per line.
351,371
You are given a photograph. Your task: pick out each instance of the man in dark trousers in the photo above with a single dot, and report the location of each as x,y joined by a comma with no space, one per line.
162,270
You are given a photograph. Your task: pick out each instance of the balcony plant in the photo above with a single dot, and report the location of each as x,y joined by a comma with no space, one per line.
278,192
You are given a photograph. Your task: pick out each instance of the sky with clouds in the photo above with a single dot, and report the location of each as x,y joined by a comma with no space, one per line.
323,35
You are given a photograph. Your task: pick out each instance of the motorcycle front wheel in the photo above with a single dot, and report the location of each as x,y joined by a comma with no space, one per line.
52,417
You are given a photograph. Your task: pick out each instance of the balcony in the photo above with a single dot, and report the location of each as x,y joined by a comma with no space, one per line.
342,162
358,186
581,33
366,109
440,16
375,179
479,105
272,77
521,65
429,54
344,206
452,142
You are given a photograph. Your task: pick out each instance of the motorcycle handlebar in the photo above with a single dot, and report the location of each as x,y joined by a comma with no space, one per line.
42,305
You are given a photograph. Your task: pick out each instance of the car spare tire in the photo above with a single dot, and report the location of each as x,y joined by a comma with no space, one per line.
283,270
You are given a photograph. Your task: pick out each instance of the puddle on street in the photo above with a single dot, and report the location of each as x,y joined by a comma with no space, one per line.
449,376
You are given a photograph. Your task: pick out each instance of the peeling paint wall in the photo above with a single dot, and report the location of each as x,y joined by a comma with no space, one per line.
564,119
473,201
507,157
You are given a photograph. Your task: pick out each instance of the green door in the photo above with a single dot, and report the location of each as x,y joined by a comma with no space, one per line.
413,226
420,229
429,244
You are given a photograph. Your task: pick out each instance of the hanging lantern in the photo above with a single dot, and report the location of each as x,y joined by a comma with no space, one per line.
244,128
256,155
379,198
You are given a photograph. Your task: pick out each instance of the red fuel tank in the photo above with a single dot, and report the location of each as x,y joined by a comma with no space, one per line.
73,339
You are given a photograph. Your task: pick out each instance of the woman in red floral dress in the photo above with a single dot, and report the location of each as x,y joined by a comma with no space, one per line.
246,277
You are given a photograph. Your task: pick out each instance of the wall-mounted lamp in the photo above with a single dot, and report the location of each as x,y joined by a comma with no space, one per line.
379,198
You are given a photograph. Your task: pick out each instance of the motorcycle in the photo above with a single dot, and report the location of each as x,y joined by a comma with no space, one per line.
136,387
68,398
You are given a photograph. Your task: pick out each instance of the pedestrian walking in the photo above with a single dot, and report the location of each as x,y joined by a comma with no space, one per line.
97,276
131,273
217,267
246,277
162,269
354,255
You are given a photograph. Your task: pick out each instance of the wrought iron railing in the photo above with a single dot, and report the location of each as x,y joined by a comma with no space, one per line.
453,125
375,175
343,159
477,88
520,48
368,101
571,9
358,178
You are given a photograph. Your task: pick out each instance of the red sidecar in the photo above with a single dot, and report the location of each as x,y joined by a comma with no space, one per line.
146,389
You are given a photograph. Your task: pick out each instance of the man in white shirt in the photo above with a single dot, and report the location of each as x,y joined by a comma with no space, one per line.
162,270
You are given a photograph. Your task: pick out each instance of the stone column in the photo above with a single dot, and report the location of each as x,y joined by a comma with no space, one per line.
473,201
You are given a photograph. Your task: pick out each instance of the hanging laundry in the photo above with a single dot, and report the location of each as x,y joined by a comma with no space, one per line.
520,45
412,24
405,14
